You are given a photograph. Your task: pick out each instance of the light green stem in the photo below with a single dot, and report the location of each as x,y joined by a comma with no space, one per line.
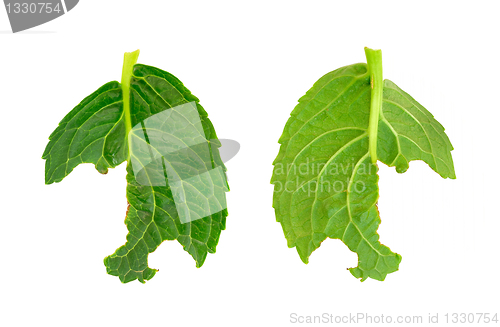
129,60
374,60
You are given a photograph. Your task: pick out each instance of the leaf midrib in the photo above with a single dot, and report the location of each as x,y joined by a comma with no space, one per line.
349,207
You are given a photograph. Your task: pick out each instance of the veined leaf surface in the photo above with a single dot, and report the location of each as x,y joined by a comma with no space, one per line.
176,180
325,174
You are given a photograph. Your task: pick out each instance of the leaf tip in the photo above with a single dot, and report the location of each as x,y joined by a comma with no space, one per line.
304,258
398,259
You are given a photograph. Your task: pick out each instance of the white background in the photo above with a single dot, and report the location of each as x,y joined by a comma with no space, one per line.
249,62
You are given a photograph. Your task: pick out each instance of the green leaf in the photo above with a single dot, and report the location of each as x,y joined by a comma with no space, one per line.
176,180
325,175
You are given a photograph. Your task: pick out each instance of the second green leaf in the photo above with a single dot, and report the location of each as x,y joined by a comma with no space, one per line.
325,175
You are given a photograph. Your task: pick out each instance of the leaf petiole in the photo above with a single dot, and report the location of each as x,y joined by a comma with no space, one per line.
129,60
